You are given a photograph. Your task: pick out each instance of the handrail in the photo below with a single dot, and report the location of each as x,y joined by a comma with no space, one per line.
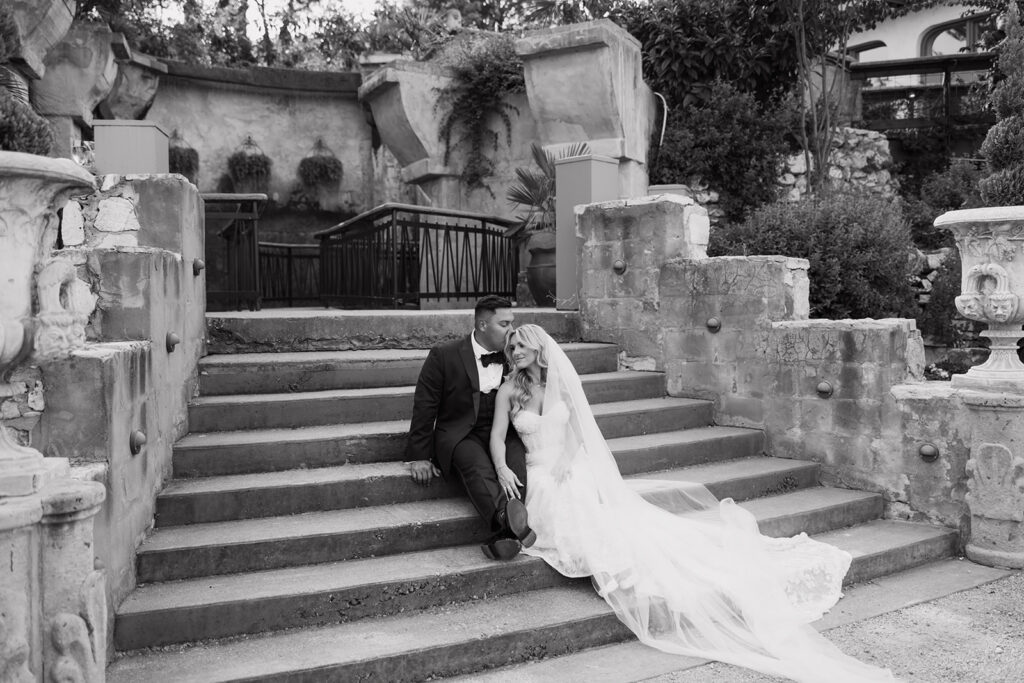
415,208
967,61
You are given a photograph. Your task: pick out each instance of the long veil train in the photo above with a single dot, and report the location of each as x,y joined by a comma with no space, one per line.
689,574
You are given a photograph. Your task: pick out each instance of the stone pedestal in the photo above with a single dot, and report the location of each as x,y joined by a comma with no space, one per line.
578,180
584,83
996,479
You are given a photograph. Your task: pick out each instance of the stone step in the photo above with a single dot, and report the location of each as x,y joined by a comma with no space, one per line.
317,329
443,640
249,545
335,406
266,494
220,606
268,373
271,450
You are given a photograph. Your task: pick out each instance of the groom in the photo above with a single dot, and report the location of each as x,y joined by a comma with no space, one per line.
452,412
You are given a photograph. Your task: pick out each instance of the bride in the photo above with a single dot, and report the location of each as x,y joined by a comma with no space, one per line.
687,573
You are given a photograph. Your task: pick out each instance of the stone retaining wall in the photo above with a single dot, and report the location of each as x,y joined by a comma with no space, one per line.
735,330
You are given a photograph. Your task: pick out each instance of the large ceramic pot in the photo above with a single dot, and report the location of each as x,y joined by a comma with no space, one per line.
540,274
32,189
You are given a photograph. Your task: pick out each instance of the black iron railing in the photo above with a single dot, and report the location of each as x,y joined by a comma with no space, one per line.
922,92
400,255
290,274
232,257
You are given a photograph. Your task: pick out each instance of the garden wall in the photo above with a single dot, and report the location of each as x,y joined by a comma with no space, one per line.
285,111
735,330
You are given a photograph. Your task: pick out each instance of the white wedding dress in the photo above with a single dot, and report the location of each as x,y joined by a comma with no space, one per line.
687,573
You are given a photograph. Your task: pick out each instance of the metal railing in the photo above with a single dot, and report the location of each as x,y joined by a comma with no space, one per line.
232,249
401,255
289,273
921,92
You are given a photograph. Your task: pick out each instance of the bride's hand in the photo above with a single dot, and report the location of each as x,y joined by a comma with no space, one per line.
510,483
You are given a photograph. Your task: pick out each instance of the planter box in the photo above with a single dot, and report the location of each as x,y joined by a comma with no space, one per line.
124,147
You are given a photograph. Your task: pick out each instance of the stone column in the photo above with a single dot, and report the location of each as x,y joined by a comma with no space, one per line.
995,488
20,646
74,597
991,244
578,180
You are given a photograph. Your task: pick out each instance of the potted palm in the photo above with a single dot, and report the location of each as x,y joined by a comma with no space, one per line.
535,189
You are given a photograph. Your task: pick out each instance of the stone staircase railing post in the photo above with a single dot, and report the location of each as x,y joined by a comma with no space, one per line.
579,180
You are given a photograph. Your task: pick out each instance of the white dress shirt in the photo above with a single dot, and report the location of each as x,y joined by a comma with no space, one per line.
490,377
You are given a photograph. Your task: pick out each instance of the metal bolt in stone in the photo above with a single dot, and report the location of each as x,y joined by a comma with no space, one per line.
172,341
929,452
713,325
198,266
619,267
824,389
136,441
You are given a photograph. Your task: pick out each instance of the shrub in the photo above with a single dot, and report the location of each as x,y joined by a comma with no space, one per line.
183,160
954,188
320,169
732,143
244,165
21,129
856,244
1004,145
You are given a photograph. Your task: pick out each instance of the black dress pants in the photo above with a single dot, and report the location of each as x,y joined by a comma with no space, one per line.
471,459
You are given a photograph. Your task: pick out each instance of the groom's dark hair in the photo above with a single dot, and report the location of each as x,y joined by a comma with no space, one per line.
490,303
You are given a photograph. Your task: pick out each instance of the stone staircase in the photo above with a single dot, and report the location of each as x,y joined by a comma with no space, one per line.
292,544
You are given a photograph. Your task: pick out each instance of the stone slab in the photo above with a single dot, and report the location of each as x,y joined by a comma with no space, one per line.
265,450
301,409
316,329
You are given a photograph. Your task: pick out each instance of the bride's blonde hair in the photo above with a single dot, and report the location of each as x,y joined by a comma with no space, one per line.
522,385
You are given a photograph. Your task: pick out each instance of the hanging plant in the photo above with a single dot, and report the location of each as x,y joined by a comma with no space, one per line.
249,167
485,74
182,158
320,168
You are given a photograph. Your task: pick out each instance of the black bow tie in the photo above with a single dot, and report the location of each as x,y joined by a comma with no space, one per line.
488,358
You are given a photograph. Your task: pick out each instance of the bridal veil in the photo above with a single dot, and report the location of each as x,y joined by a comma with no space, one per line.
687,573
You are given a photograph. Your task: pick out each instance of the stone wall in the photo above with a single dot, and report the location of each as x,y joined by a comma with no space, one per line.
735,330
135,241
285,111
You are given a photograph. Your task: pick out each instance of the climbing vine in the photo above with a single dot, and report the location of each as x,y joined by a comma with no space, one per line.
485,73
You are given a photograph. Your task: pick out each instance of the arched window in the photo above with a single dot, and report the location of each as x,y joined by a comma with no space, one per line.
960,35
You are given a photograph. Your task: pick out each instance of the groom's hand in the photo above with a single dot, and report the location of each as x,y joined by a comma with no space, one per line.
423,471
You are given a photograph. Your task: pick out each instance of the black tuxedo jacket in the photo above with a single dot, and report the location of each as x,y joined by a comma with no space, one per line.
445,404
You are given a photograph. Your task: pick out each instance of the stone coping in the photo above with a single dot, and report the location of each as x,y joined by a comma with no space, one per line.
269,78
985,214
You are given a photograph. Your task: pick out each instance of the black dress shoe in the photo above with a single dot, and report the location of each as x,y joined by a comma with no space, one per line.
517,522
501,548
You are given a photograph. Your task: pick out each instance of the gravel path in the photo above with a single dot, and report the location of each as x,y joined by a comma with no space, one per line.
976,636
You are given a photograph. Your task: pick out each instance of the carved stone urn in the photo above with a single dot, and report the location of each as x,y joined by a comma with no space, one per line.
32,189
991,243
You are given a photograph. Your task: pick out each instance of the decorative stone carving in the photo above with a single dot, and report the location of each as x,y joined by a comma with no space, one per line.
32,188
14,647
65,304
990,242
134,88
80,72
995,486
41,24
